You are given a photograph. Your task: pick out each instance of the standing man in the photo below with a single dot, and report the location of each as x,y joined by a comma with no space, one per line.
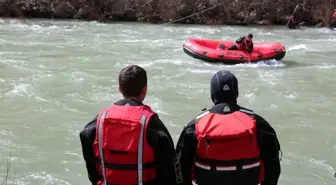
127,143
228,144
292,22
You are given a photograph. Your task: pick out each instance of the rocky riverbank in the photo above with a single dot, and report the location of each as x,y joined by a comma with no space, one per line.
231,12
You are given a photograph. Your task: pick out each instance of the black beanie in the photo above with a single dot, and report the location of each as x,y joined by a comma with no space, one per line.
224,87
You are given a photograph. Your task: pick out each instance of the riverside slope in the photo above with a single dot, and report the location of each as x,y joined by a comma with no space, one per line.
237,12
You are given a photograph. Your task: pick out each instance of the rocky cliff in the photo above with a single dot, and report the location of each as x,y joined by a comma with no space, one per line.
234,12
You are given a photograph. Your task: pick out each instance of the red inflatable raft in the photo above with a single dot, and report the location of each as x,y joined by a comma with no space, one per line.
209,51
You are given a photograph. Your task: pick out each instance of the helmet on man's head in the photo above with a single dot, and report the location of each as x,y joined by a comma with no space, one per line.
224,87
250,36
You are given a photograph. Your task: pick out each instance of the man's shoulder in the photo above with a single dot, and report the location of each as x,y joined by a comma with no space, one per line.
247,111
154,119
191,125
155,124
259,119
89,128
202,113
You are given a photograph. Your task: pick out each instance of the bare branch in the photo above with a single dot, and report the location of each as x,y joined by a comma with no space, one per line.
7,172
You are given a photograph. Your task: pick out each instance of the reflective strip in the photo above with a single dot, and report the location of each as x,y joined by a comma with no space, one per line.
251,165
140,148
228,168
246,111
100,145
202,166
201,115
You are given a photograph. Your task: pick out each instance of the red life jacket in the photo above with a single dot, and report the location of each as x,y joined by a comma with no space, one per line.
334,15
227,144
291,20
245,44
121,146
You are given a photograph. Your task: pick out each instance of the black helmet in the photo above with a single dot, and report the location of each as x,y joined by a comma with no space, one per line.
250,35
224,87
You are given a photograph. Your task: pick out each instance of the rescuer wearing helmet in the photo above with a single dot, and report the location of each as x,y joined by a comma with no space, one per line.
127,144
228,144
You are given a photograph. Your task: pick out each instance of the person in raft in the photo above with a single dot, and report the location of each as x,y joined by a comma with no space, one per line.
244,43
228,144
127,143
292,22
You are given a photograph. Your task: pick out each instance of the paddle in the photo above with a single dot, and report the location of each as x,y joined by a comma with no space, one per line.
248,54
292,14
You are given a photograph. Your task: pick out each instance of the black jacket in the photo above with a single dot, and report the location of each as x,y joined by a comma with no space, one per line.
158,137
266,137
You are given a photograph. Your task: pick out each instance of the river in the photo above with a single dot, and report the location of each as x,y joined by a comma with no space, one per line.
56,75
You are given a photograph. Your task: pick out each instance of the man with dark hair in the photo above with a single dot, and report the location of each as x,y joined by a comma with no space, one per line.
243,43
132,80
127,143
228,144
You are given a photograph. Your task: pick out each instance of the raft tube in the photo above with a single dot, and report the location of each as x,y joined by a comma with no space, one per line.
208,50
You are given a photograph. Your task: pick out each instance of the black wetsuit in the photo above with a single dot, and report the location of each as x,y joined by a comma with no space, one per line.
291,26
224,91
266,137
158,137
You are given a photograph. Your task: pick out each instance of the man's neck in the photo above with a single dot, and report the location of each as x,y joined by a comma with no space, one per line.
231,103
133,98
